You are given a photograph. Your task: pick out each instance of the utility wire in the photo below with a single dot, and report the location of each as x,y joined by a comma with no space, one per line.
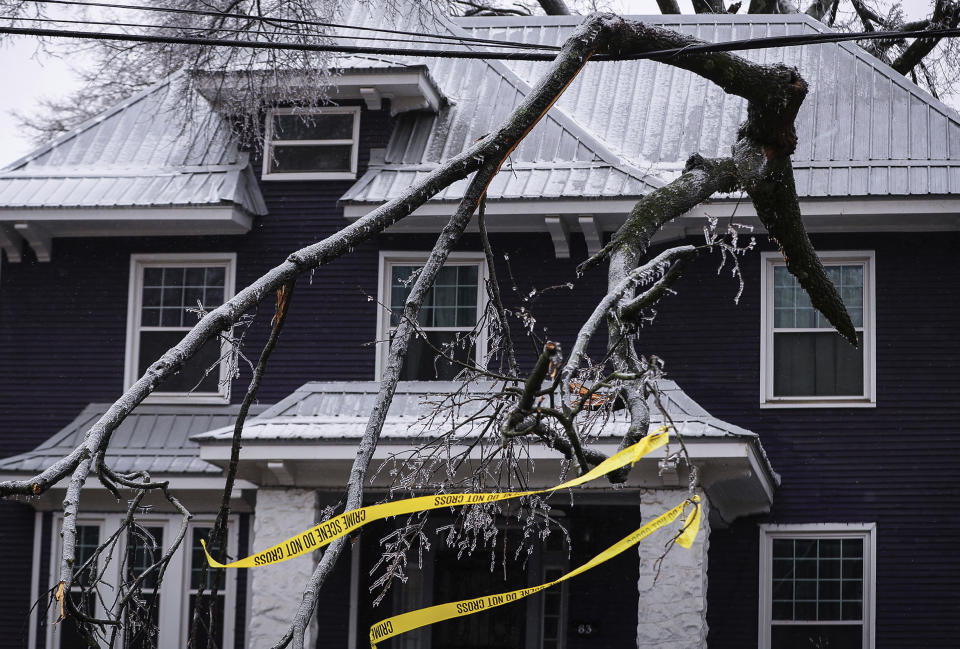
699,48
296,21
233,30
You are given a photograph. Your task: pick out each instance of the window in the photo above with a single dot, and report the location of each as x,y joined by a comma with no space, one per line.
319,144
817,586
452,309
804,361
168,604
166,294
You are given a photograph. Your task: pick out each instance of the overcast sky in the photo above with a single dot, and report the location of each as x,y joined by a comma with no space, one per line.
29,75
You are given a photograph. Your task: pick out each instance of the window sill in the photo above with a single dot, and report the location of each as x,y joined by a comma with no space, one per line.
854,402
336,175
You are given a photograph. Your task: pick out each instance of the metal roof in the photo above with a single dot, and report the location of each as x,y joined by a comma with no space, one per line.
155,438
326,412
481,94
864,130
141,153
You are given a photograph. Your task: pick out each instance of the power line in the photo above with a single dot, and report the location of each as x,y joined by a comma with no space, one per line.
296,21
233,30
699,48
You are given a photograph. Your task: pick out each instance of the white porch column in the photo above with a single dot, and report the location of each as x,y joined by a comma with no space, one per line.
672,613
275,591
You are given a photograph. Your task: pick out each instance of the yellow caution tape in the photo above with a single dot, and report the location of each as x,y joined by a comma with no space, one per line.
342,524
394,626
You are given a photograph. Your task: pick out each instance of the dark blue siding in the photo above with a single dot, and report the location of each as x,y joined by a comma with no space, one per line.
893,464
16,550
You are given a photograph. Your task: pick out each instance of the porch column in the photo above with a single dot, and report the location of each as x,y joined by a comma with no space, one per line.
672,613
275,591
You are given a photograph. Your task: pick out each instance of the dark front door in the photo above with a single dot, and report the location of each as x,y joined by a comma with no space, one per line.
470,576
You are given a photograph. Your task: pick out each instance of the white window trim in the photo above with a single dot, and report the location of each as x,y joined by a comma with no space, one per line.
391,258
137,263
869,399
312,175
173,622
865,531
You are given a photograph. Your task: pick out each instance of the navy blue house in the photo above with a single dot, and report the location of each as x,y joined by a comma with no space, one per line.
829,473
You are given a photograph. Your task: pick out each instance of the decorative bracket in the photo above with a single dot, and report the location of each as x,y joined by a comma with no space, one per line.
592,234
11,243
372,97
38,238
560,234
281,472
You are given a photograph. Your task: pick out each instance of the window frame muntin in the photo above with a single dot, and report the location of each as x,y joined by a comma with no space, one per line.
390,258
768,532
768,261
140,261
268,142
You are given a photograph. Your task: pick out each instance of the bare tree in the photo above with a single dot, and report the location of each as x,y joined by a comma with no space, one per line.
557,402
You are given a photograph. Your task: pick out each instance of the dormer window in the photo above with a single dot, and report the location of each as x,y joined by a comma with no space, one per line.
317,145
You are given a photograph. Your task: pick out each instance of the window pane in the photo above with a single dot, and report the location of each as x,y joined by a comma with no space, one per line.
791,304
422,363
304,159
326,126
198,560
809,636
87,542
144,549
154,343
816,364
451,302
143,623
177,289
70,637
209,624
814,590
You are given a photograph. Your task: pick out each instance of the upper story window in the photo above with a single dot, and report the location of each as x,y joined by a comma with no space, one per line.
451,312
167,292
804,361
319,144
817,586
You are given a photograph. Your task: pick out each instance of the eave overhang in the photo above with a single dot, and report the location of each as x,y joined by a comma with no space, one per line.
594,217
408,87
734,471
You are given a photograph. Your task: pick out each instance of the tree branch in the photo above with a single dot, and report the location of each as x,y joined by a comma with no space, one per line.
946,14
388,385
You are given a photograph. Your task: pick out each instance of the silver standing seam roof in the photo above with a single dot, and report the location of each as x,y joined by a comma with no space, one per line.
864,130
138,154
155,438
326,412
